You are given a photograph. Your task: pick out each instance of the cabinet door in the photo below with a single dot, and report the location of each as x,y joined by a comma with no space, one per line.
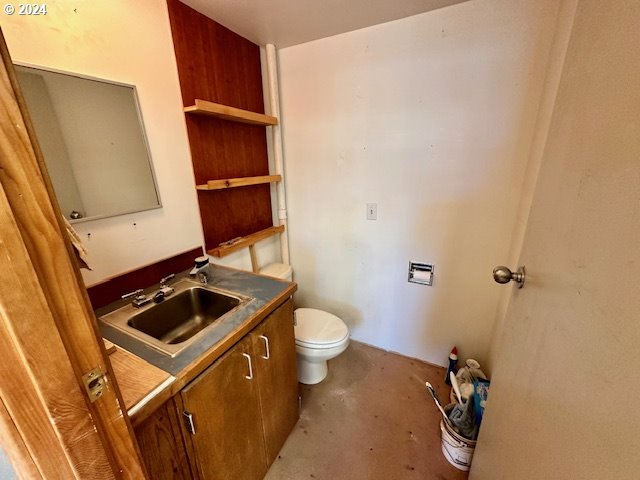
228,439
161,445
275,353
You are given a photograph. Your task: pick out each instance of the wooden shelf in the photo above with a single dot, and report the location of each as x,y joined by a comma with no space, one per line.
203,107
242,242
238,182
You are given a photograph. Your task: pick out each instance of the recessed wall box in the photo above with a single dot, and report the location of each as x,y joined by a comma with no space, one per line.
421,273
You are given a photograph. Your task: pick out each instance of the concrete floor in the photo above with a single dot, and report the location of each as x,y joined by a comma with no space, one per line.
371,418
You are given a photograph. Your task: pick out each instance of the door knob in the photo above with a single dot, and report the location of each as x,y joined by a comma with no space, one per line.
502,274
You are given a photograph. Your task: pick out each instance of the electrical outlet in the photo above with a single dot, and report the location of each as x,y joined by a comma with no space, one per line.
372,211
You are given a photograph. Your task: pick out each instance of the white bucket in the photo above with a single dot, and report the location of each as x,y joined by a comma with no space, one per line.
456,449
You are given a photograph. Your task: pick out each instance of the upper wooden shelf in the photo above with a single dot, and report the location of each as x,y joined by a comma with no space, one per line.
203,107
241,242
238,182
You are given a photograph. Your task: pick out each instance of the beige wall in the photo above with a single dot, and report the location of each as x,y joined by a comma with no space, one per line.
432,118
564,390
128,42
562,34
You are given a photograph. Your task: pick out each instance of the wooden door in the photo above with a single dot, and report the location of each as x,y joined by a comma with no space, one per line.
565,389
228,441
275,353
48,332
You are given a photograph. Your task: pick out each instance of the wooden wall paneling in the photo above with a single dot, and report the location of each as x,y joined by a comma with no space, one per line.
214,63
112,289
44,299
223,149
217,65
219,227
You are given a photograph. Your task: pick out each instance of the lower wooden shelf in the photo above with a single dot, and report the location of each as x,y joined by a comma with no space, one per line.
238,182
246,241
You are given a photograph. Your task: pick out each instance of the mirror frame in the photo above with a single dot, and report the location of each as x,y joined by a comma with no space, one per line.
154,178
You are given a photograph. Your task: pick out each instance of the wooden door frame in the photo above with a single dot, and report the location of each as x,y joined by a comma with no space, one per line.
48,331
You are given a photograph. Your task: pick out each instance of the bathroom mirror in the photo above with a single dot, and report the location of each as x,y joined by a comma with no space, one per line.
93,142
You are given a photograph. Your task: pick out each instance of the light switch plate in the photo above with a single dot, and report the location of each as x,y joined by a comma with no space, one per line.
372,211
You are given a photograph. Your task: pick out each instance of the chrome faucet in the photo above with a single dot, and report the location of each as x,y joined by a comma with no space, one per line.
139,298
165,290
163,281
201,269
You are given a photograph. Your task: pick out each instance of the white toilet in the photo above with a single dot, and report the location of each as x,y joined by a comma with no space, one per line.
320,336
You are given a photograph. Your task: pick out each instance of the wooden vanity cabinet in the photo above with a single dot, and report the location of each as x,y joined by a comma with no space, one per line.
162,446
224,405
275,359
231,421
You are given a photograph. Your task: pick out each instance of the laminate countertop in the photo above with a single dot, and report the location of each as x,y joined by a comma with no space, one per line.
147,377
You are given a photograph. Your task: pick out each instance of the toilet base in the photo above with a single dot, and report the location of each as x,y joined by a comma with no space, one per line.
311,373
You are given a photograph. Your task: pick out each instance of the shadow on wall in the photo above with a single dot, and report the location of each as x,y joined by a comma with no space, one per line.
460,308
309,294
441,317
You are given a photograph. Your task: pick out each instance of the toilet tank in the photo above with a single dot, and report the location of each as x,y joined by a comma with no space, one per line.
278,270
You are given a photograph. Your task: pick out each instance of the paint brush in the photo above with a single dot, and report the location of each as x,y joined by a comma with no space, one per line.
435,399
456,387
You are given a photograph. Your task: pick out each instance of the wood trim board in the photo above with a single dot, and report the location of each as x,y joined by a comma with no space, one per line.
225,112
226,249
238,182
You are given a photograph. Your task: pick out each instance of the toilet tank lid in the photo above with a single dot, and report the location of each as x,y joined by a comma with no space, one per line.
278,270
319,327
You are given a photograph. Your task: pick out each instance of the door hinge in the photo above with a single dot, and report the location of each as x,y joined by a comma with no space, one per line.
188,422
94,383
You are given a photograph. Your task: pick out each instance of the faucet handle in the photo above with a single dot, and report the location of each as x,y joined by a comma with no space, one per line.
166,279
202,261
132,294
201,264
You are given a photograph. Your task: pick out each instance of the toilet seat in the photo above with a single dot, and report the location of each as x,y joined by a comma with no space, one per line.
321,346
319,329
